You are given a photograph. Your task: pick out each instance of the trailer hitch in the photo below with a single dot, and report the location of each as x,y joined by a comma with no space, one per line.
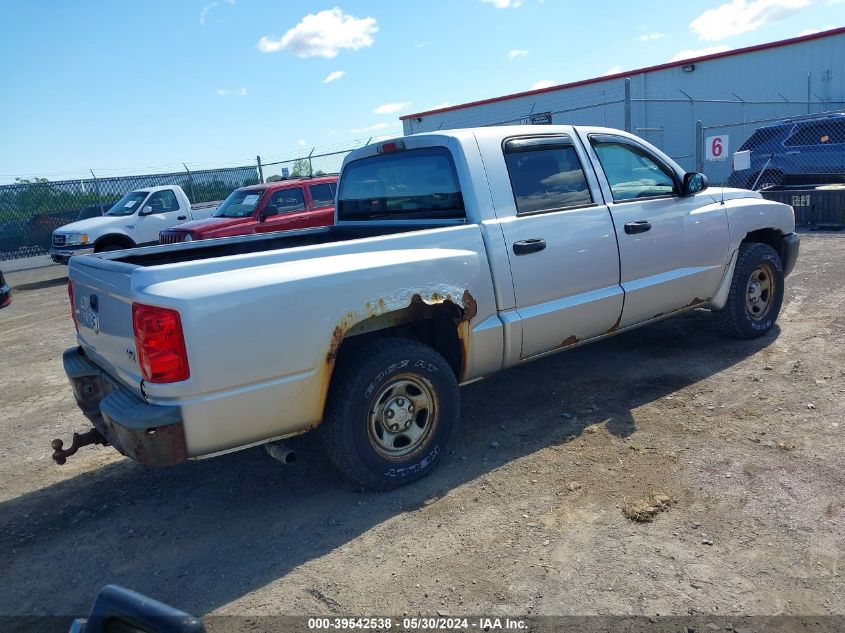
60,454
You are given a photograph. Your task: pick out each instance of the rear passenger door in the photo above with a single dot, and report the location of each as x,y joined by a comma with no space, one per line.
322,204
562,249
673,249
284,211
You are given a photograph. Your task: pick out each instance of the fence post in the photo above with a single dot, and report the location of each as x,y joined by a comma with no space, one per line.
190,182
260,170
627,104
310,166
97,191
699,147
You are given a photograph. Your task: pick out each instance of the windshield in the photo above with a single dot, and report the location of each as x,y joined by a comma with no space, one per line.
419,184
128,204
240,203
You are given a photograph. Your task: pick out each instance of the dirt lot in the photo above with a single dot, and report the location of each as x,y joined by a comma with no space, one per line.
527,516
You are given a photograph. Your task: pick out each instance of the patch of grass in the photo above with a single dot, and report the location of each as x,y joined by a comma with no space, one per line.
644,510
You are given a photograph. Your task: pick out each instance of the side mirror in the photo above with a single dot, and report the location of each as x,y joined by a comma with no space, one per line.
267,211
694,182
148,210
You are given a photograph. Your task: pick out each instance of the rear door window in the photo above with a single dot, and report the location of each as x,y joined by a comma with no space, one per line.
822,133
416,184
322,195
546,174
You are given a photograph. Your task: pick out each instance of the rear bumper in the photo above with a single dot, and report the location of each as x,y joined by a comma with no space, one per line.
789,247
150,434
62,255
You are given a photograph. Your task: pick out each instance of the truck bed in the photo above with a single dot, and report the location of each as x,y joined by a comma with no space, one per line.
223,247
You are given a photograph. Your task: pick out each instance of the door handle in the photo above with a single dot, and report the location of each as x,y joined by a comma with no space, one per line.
182,217
640,226
524,247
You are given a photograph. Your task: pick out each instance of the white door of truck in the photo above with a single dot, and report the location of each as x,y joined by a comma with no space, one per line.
560,240
672,248
160,211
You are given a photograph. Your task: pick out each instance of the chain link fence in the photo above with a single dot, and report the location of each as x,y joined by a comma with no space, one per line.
31,209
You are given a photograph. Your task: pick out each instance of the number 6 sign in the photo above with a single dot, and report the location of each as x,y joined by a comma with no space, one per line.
716,147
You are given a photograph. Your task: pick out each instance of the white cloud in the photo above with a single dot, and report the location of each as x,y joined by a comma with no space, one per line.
223,92
323,34
391,108
827,27
650,37
440,106
698,52
334,76
421,45
545,83
741,16
375,127
301,143
517,52
209,7
505,4
612,70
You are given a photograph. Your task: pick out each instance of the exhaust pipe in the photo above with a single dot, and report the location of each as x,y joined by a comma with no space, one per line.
280,453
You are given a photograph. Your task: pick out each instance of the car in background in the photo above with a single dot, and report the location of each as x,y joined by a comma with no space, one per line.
275,206
807,151
134,220
5,292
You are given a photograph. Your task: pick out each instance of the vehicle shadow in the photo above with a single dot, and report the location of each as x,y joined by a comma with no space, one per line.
203,534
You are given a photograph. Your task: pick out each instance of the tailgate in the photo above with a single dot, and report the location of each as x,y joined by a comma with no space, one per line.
102,292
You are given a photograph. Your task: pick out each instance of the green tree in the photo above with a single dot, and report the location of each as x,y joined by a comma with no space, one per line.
301,168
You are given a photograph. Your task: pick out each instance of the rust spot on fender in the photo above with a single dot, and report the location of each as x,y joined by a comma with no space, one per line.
569,340
470,306
334,343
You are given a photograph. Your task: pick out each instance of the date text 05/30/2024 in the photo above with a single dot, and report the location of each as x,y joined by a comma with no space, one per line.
417,624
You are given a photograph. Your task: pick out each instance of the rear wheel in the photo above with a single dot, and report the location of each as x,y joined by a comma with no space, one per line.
756,292
391,412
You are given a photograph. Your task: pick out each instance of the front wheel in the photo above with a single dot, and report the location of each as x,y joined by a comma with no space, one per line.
756,292
391,411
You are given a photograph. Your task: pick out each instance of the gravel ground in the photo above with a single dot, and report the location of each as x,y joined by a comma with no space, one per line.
734,449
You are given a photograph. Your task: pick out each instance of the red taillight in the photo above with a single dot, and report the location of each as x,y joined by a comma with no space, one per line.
72,305
160,344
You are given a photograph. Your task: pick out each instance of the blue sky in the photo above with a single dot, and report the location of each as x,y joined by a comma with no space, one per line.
129,84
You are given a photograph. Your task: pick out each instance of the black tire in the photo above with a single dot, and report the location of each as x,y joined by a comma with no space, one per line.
356,396
736,318
105,248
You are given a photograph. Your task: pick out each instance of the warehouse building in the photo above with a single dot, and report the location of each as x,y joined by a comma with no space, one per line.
688,108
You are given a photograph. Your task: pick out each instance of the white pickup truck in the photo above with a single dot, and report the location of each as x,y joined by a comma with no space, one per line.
134,220
455,254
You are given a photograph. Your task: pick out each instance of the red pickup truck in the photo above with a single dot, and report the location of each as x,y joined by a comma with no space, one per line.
275,206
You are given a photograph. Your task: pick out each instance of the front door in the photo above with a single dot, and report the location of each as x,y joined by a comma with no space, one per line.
672,248
165,212
284,211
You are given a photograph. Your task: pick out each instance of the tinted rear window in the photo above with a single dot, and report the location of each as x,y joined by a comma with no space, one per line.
417,184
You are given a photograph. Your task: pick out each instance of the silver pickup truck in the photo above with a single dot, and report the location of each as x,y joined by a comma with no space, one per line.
455,255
